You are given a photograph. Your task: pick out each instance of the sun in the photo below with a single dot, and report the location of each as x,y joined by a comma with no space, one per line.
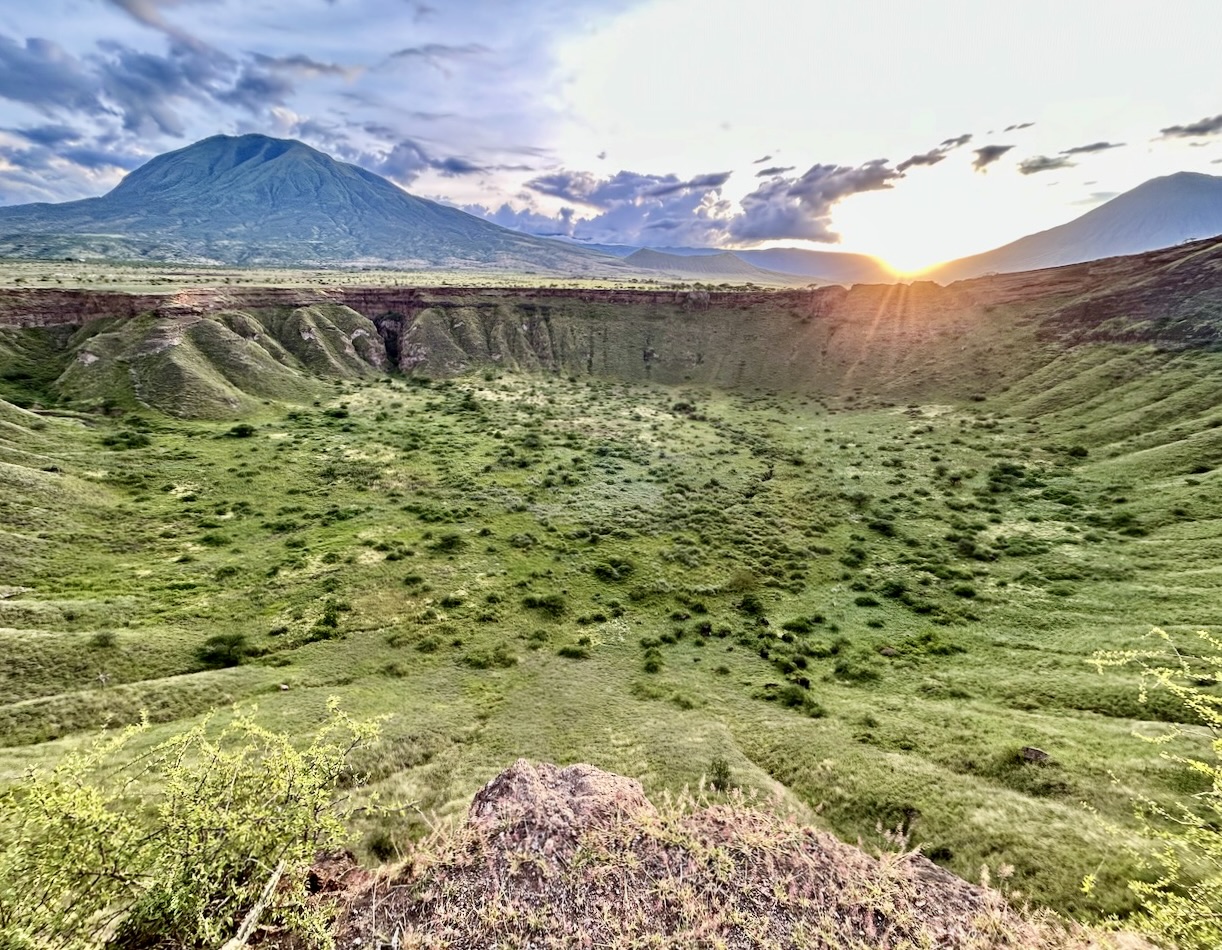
906,267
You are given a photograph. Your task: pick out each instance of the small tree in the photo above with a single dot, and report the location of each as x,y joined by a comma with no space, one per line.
1183,905
179,847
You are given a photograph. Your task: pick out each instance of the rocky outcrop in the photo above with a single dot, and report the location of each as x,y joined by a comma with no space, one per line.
579,857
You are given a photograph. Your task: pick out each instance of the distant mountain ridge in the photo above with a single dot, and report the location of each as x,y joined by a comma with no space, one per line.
1161,212
722,265
825,266
254,200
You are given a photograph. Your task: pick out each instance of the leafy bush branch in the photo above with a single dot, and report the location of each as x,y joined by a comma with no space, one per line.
1183,904
173,847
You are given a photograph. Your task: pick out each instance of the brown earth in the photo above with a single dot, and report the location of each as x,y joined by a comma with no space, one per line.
577,857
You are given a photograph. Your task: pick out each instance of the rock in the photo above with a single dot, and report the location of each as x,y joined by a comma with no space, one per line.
546,809
1032,754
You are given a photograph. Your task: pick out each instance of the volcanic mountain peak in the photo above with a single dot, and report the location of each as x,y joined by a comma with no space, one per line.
252,199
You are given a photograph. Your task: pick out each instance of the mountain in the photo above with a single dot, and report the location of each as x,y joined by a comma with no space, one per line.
255,200
833,266
829,266
719,265
1161,212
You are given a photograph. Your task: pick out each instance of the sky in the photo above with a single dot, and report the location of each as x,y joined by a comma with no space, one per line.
914,130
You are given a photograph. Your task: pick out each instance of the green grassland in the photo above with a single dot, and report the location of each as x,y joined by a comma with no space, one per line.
137,277
868,612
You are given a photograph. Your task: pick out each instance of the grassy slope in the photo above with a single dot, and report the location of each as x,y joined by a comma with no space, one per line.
816,509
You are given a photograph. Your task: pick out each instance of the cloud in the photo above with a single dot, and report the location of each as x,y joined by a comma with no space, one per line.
936,154
43,75
773,170
148,13
435,54
257,89
48,135
932,157
148,91
1092,147
801,208
708,182
306,66
1097,197
630,207
571,186
526,220
1016,127
760,161
407,160
1043,163
988,154
624,186
1202,127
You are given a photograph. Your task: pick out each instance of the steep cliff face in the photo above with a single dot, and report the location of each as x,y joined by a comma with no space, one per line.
228,348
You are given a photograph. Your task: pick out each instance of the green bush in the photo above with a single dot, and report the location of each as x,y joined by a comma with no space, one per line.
223,650
554,605
176,845
1181,902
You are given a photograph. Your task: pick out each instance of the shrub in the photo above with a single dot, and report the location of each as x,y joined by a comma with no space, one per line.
498,657
554,605
103,640
614,569
721,778
1181,904
448,543
185,839
223,650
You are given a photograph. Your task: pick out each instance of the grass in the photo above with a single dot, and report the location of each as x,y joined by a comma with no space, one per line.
864,611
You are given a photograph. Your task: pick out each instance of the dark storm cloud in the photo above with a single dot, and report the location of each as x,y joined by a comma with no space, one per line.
1202,127
988,154
1043,163
774,170
1018,126
801,208
1092,147
46,77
